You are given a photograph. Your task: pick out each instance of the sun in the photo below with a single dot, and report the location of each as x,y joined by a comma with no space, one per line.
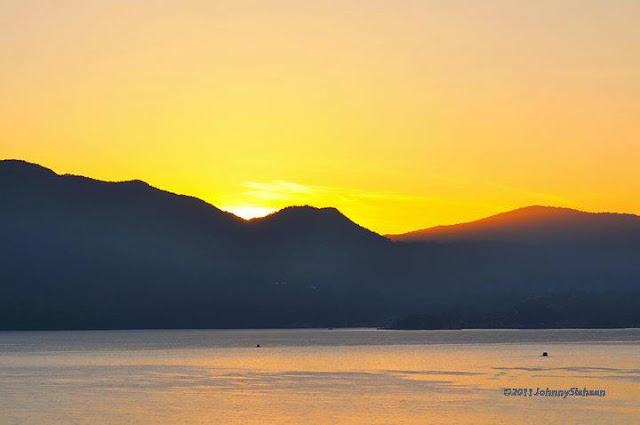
249,212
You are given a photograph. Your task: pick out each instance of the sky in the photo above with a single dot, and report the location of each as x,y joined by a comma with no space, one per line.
402,114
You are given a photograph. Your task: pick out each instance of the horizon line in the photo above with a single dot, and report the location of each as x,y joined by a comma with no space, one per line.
273,211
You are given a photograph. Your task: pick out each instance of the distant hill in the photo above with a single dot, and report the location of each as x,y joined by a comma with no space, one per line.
79,253
314,228
535,224
135,211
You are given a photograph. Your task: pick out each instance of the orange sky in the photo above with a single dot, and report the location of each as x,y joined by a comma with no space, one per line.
403,114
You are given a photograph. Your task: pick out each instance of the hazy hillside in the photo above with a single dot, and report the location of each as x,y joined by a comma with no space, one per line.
78,252
535,224
82,253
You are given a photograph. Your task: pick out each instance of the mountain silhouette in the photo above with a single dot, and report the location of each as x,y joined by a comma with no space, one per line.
535,224
313,227
79,253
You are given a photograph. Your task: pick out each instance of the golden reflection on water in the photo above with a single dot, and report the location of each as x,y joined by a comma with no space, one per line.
386,384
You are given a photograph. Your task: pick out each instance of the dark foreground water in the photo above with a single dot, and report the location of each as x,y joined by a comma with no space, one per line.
359,376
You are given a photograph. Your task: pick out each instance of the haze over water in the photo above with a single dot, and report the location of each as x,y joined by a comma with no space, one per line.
358,376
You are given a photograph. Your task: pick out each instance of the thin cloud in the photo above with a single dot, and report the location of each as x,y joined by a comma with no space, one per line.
287,190
277,190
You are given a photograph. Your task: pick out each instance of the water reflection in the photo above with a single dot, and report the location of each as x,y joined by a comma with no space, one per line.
314,377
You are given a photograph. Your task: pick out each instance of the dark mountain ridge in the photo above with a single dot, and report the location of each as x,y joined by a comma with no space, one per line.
535,224
79,253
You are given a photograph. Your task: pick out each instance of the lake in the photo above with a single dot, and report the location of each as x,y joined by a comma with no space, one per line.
317,376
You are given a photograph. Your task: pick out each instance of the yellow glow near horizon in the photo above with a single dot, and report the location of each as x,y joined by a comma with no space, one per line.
402,114
249,212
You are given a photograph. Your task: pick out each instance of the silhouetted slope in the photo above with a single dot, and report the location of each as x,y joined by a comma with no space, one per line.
18,171
78,253
318,246
129,216
535,224
312,226
573,310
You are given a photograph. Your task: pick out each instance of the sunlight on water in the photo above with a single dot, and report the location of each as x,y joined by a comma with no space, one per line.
316,377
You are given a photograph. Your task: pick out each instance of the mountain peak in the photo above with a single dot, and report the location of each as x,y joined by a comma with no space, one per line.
540,211
315,223
308,209
305,213
534,223
136,183
19,167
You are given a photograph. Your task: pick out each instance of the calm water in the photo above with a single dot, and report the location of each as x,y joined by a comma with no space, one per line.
358,376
